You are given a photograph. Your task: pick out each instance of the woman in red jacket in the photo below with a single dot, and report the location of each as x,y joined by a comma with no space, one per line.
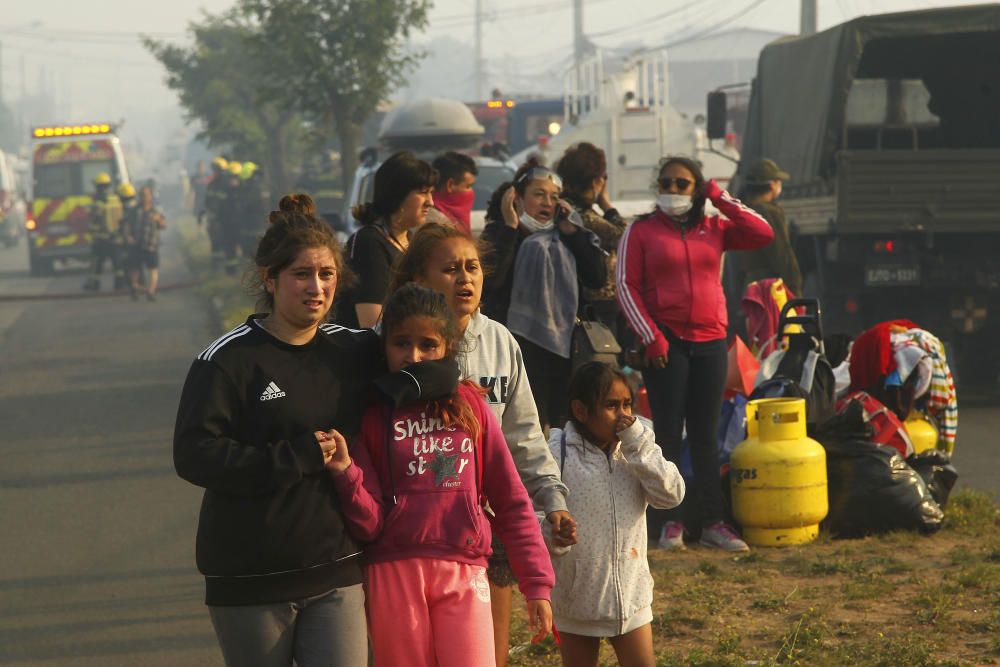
670,292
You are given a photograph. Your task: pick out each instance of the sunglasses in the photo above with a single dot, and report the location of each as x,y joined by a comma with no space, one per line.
681,183
540,173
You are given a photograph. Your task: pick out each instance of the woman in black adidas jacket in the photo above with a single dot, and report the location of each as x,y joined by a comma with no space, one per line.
282,578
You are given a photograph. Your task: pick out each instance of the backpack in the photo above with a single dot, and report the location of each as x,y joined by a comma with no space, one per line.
886,429
802,370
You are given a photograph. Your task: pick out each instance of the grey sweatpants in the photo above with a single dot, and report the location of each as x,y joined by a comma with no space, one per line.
327,630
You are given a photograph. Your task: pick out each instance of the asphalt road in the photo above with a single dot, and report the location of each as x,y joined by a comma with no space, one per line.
96,531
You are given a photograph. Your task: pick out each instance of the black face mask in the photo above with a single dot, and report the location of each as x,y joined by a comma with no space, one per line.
427,380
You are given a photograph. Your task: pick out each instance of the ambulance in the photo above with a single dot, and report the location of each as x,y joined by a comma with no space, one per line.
65,160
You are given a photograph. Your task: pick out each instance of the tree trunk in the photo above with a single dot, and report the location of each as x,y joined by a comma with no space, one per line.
350,139
276,163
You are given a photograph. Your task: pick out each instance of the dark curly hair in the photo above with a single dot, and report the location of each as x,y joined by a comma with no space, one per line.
580,165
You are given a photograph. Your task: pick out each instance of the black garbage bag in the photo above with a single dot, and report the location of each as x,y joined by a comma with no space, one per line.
937,471
871,487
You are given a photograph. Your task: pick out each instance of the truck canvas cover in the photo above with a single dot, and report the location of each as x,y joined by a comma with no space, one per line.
797,110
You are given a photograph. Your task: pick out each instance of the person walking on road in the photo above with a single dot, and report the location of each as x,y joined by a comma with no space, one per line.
143,241
671,294
414,487
103,228
283,581
444,258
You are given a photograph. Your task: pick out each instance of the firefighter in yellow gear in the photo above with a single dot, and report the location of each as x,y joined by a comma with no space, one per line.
215,202
128,231
253,208
106,244
231,217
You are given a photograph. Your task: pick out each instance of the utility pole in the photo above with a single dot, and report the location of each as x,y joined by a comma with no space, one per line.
807,17
577,32
479,50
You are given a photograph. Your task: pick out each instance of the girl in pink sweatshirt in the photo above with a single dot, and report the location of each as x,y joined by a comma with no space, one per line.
414,485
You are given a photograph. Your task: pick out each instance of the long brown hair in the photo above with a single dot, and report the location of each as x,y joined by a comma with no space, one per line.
412,300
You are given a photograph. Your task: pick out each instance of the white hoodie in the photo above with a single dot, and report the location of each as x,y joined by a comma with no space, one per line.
603,585
491,357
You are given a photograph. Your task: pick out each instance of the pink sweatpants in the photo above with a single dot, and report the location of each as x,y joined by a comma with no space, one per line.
426,612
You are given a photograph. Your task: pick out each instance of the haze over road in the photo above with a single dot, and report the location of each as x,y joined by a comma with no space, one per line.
97,564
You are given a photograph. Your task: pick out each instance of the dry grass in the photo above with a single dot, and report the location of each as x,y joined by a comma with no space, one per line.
896,600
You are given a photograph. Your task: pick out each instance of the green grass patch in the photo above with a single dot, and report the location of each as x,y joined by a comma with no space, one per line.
971,512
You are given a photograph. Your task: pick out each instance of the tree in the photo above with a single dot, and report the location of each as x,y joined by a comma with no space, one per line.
339,58
218,83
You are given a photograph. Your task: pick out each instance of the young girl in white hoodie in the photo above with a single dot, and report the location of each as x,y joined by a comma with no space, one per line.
445,259
614,470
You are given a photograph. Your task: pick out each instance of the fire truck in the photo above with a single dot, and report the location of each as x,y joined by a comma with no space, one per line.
65,159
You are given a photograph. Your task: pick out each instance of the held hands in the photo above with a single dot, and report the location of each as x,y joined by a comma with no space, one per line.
508,208
563,528
540,619
336,458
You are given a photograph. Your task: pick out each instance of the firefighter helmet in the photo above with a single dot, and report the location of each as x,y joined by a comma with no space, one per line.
235,168
126,191
102,179
220,163
248,170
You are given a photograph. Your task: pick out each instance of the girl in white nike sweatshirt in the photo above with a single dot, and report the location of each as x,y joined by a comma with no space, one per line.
445,259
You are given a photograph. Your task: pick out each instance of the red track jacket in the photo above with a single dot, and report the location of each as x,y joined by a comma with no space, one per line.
670,276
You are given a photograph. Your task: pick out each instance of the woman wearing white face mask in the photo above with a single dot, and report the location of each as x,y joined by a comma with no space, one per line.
530,205
671,295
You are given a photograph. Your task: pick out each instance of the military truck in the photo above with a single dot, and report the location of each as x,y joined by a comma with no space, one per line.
889,126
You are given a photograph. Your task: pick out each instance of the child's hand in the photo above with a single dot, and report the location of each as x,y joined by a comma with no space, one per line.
624,422
563,528
540,619
335,455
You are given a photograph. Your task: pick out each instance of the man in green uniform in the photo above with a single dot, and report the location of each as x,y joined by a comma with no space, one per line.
777,259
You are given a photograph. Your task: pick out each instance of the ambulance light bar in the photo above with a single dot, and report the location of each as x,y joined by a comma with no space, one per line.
70,130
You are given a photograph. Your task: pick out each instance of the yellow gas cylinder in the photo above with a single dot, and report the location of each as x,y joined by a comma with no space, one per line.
922,431
778,479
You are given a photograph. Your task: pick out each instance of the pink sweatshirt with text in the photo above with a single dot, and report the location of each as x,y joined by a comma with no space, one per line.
414,492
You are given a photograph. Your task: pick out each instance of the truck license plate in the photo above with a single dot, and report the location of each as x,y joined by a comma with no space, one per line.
892,274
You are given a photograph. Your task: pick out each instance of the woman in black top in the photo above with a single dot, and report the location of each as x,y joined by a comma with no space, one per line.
282,577
401,200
